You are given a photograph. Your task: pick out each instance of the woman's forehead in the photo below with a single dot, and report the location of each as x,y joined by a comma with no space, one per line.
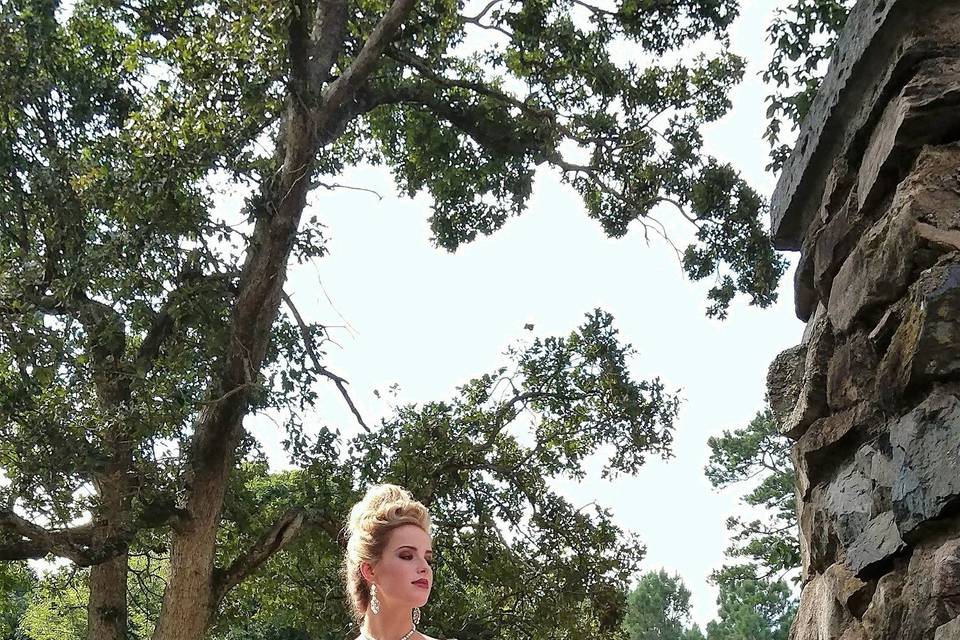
410,535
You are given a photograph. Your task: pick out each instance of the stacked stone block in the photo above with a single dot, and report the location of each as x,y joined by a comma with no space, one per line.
871,395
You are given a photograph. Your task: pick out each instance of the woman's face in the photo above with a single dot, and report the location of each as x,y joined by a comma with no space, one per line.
403,574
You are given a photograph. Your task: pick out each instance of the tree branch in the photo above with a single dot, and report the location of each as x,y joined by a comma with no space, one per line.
594,9
488,27
331,186
424,69
327,526
299,47
313,46
467,118
345,87
337,380
293,523
270,542
160,330
484,11
80,543
22,550
475,20
72,544
640,216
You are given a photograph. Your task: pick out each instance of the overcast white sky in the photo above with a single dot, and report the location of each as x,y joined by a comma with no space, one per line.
428,320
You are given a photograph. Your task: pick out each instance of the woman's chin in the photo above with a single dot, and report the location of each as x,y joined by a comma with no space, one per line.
420,600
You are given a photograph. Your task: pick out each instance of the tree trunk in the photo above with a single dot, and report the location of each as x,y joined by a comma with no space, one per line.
190,597
107,602
188,601
107,606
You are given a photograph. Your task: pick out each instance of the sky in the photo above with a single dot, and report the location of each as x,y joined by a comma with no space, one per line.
427,321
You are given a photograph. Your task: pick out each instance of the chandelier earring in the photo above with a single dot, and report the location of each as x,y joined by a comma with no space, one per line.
374,603
416,615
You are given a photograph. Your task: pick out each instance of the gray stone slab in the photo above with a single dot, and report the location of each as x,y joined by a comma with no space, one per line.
879,541
926,459
871,55
949,631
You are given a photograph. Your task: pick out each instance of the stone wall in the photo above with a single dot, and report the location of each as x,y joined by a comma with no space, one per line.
871,395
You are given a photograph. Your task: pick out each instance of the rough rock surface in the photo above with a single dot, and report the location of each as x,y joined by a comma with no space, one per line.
877,271
821,448
926,459
811,400
834,243
881,41
821,616
857,505
926,346
852,592
924,112
871,395
949,631
785,380
879,541
851,373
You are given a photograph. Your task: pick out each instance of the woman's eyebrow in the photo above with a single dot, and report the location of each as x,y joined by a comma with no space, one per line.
407,546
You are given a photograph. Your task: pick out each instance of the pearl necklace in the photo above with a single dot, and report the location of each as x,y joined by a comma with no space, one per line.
407,635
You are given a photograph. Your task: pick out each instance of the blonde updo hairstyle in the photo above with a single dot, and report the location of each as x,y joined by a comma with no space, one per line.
384,508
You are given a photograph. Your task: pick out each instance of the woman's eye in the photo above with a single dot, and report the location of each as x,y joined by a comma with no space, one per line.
407,557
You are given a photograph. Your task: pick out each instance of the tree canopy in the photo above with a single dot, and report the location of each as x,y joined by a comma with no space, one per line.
755,602
508,546
755,599
759,455
658,608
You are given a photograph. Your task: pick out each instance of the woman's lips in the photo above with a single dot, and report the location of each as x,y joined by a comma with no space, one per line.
422,583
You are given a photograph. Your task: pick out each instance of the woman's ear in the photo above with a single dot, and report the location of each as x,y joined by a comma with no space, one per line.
367,572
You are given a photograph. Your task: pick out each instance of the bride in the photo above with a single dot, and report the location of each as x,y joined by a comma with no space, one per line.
388,563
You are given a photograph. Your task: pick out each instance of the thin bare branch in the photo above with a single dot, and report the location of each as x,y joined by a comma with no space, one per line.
475,20
683,212
346,186
488,27
337,380
229,394
487,8
594,9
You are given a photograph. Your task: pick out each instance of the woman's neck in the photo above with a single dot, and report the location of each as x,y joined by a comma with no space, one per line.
389,624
